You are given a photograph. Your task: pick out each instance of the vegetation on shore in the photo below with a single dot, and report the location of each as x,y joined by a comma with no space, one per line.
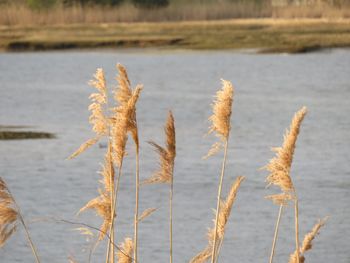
13,133
267,35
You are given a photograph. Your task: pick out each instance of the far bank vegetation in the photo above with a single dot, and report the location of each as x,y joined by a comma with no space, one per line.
49,12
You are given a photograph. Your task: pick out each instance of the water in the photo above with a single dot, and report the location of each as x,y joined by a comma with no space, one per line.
49,92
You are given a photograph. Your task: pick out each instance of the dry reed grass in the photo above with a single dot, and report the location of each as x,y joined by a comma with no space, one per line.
307,242
125,254
98,118
165,173
103,203
220,120
166,155
279,168
224,214
8,214
117,127
221,126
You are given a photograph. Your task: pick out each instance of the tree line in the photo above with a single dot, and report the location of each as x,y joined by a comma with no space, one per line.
39,4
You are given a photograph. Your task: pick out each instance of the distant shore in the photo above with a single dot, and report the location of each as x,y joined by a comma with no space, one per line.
265,35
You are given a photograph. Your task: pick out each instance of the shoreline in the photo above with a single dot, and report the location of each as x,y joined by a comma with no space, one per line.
264,35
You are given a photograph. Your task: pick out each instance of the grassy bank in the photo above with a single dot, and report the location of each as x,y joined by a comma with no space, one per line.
267,35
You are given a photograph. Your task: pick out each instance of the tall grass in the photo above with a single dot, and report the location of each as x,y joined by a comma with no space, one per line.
20,14
114,124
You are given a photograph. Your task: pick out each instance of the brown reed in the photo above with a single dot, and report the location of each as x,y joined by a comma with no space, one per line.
124,121
307,242
224,214
98,118
146,213
125,254
165,173
279,174
10,214
221,125
220,120
103,203
202,256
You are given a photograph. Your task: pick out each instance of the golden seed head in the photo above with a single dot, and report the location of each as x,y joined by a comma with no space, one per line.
225,210
125,254
279,166
221,118
307,242
8,213
202,256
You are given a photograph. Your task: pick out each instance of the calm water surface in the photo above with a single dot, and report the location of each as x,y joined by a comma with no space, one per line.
49,92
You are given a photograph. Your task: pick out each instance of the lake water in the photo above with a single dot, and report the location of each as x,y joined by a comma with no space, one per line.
49,92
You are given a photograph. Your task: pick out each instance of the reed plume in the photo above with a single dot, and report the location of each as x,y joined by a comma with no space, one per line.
124,121
10,214
166,154
225,209
98,118
103,203
279,174
220,120
307,243
224,214
125,253
122,95
279,166
146,213
165,173
221,125
202,256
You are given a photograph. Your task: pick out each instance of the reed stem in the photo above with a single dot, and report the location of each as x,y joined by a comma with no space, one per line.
136,203
296,209
276,233
110,248
213,254
114,207
171,216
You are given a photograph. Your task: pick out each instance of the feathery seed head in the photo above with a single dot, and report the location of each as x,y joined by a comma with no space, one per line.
108,170
146,213
102,206
124,121
97,118
202,256
222,109
221,118
127,248
279,166
166,155
307,242
8,213
225,210
280,199
123,92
